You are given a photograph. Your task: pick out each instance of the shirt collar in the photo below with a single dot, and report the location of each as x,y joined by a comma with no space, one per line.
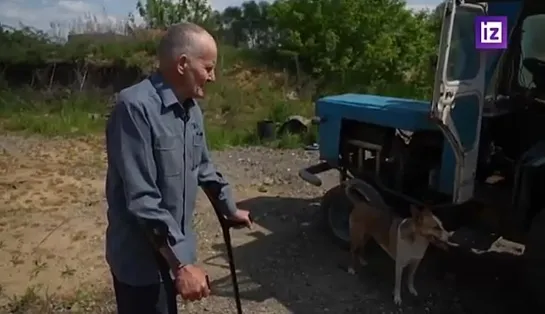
165,91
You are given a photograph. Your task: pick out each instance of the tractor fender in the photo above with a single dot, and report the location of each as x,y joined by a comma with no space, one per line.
336,208
367,191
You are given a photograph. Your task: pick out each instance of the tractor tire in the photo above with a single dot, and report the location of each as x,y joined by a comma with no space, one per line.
534,263
335,210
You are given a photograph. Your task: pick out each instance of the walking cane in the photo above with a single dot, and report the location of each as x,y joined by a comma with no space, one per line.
226,226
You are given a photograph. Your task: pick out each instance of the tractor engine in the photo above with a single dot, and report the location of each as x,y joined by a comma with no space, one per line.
399,160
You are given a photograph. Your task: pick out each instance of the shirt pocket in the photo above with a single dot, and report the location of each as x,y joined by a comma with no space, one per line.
198,146
168,155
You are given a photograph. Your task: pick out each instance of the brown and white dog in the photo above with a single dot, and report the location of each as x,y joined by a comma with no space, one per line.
404,239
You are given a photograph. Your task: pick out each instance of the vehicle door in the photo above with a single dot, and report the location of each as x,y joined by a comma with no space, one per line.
458,97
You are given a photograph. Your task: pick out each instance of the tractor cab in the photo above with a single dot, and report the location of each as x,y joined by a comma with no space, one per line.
474,153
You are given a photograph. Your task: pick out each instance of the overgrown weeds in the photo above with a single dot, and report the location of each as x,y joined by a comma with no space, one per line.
231,114
52,114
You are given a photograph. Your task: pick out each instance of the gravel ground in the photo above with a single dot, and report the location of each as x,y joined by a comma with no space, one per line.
287,264
295,267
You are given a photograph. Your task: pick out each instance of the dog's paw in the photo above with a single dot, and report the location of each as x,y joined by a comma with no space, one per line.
397,297
413,291
351,270
397,300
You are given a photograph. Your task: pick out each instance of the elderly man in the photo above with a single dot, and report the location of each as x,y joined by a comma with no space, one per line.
157,156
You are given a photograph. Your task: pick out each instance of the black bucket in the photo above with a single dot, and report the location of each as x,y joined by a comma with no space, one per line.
266,130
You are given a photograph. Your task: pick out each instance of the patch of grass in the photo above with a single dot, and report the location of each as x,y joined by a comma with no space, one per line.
242,96
52,114
218,137
37,301
289,140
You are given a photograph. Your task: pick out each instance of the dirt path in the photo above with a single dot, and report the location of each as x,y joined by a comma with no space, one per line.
52,221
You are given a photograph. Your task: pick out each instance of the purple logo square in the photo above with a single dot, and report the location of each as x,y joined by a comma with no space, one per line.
491,32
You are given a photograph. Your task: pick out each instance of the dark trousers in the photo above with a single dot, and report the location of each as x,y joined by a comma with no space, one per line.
153,299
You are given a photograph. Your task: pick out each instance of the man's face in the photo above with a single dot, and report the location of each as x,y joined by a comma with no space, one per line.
195,71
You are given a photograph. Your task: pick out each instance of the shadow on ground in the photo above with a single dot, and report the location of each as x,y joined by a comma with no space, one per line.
297,264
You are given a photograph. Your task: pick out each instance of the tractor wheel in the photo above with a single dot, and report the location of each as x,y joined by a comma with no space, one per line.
335,211
534,260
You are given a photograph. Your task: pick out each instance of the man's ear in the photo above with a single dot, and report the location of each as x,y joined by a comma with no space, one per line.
181,64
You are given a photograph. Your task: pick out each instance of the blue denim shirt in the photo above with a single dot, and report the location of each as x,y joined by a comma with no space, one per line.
157,156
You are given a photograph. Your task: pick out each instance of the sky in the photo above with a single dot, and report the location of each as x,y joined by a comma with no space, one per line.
40,13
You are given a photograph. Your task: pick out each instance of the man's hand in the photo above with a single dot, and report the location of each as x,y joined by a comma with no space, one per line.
241,216
192,283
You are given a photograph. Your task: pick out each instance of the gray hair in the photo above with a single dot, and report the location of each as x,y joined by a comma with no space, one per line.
179,39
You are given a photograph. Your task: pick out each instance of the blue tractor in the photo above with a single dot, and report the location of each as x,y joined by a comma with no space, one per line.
475,153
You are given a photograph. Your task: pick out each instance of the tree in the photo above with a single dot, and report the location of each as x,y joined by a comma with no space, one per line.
248,25
256,22
233,27
364,42
162,13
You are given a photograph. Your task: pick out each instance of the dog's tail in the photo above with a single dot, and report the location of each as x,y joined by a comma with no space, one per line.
354,190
